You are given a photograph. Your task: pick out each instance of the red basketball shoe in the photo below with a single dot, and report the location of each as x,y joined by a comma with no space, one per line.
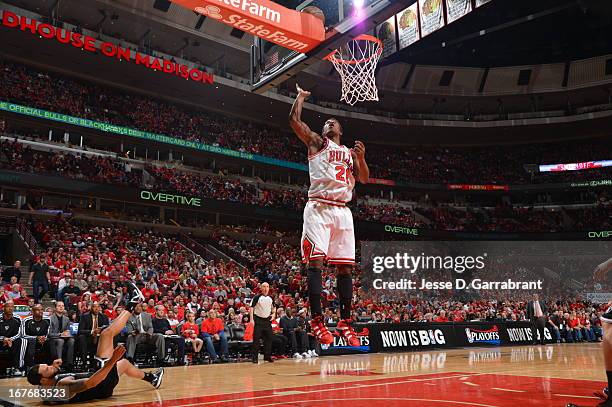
320,330
345,330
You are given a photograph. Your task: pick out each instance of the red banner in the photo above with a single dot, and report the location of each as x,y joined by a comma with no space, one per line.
471,187
265,19
108,49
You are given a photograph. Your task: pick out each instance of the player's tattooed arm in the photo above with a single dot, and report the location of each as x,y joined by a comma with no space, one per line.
360,167
312,140
74,386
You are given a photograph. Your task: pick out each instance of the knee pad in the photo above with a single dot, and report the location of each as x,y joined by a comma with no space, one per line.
315,285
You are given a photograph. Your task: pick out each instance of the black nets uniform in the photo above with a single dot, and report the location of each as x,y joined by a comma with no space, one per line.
103,390
11,328
31,329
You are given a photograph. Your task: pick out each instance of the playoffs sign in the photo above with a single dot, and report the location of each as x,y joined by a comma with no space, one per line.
340,347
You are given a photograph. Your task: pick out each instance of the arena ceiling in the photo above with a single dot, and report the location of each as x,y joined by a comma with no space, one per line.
518,32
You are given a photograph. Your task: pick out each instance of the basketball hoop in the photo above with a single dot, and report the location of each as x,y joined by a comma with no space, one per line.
356,63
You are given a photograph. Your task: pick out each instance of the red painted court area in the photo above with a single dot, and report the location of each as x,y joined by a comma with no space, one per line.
441,389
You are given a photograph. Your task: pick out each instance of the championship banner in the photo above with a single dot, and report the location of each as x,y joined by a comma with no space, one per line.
587,165
455,9
288,28
108,49
386,33
432,18
408,26
481,2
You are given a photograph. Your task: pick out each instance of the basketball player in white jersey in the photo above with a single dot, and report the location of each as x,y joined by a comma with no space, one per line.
328,233
601,272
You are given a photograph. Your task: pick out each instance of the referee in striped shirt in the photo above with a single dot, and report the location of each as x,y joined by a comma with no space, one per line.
261,314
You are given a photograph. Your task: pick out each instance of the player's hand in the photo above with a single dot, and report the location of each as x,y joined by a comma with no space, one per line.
56,363
359,150
301,92
118,353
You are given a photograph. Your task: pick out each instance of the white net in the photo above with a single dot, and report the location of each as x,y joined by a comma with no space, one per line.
356,63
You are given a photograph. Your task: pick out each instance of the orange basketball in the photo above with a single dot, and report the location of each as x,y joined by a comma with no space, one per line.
315,11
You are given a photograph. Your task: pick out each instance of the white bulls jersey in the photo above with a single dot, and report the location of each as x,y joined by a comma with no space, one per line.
331,174
328,232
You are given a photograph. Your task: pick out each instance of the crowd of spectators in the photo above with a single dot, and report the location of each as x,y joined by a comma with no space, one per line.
505,218
422,164
18,157
191,303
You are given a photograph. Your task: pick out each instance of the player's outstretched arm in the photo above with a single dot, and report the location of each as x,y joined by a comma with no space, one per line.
301,129
360,167
81,385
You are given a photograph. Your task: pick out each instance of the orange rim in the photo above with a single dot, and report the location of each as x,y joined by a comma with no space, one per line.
363,37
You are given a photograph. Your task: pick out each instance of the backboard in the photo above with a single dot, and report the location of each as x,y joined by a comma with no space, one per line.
271,64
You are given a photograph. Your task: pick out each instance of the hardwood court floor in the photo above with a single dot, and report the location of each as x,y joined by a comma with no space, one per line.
550,375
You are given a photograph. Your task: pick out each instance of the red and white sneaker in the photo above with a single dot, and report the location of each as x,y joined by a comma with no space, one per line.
345,330
320,330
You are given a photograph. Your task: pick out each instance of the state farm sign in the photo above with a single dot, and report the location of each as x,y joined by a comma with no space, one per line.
265,19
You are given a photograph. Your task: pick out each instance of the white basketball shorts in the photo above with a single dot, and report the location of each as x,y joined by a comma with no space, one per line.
328,233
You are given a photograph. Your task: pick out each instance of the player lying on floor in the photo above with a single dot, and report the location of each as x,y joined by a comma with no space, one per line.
71,387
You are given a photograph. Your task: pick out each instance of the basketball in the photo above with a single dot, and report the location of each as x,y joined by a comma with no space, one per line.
315,11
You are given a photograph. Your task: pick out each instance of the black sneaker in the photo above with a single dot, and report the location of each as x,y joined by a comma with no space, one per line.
134,296
157,377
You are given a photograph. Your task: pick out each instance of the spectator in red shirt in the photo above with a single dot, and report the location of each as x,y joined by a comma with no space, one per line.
190,332
249,327
110,311
574,324
150,307
213,330
441,317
